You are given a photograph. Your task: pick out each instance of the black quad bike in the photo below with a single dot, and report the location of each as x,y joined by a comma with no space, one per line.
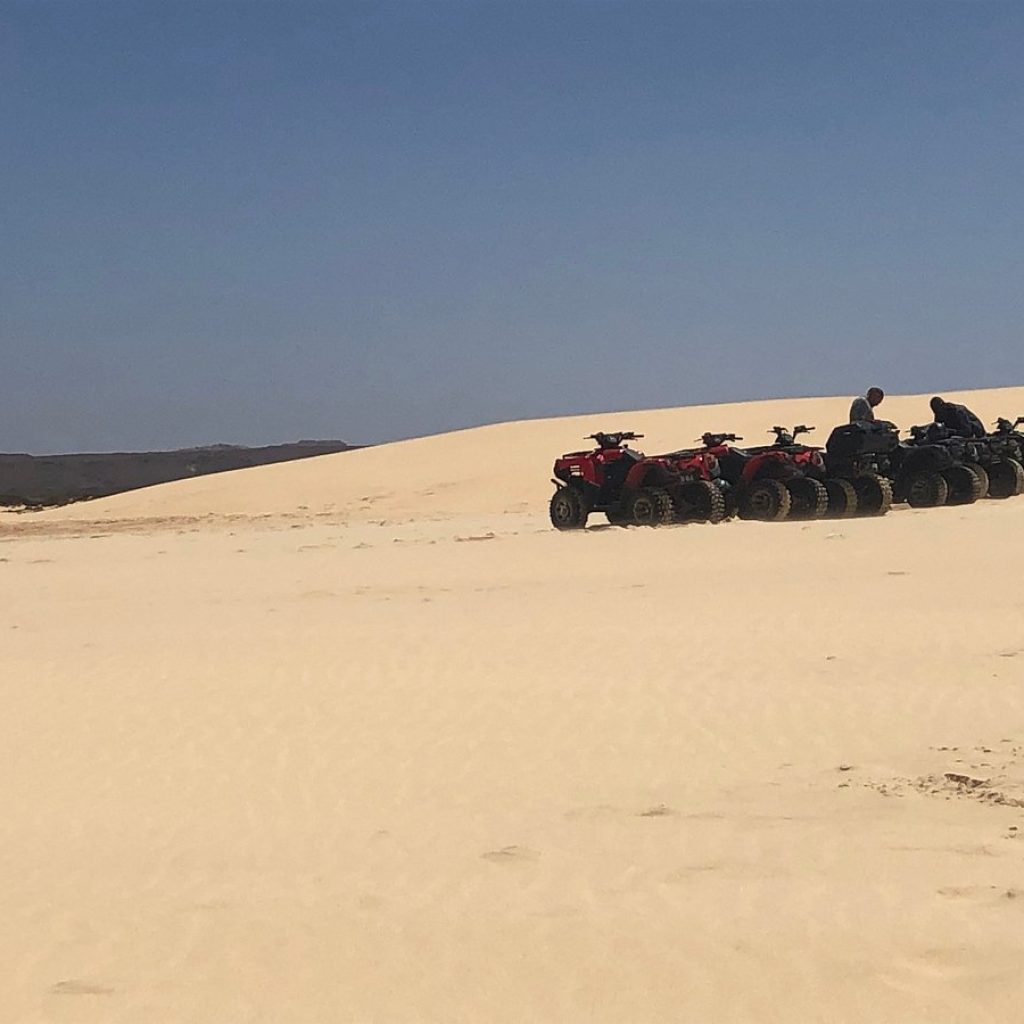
927,470
1007,429
860,456
1002,459
934,468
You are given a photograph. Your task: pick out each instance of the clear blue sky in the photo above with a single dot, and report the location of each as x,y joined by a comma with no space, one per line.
255,222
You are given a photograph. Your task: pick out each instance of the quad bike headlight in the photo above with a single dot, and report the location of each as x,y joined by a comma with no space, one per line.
817,461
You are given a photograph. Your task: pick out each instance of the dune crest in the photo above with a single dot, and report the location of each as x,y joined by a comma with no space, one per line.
487,470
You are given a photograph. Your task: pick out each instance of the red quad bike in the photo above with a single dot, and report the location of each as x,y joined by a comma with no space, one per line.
769,483
594,480
632,489
842,498
694,482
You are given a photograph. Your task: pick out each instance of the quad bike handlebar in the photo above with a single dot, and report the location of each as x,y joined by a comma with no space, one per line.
1006,427
716,440
785,437
613,440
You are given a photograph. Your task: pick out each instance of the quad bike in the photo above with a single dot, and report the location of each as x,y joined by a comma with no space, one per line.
1007,429
927,470
694,482
768,483
594,480
631,488
1002,458
859,456
816,494
933,468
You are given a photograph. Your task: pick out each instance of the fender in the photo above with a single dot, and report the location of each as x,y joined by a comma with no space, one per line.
656,471
810,457
770,463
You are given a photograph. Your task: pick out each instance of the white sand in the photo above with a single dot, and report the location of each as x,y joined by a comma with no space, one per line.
399,752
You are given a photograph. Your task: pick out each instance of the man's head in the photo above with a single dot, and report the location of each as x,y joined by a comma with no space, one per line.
875,396
938,405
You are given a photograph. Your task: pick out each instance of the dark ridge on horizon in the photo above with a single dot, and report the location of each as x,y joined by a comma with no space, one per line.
41,481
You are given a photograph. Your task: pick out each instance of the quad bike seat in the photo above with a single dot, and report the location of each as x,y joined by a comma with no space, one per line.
862,438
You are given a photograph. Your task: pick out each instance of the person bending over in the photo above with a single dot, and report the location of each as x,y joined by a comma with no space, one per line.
957,418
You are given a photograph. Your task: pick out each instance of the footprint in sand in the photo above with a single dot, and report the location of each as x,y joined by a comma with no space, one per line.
658,811
77,987
983,893
604,812
510,854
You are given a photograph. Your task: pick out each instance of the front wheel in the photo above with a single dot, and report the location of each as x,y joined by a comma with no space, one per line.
982,474
1005,479
568,510
766,500
702,502
965,486
808,498
927,490
874,494
650,506
842,499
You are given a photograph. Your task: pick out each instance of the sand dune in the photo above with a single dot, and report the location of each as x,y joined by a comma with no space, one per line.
396,756
486,471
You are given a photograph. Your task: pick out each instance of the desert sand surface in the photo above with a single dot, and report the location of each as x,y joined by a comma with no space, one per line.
362,739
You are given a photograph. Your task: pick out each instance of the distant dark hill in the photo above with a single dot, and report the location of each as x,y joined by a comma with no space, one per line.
37,480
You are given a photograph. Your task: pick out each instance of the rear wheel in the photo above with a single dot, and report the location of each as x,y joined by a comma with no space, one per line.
568,510
650,506
766,500
808,498
1005,479
965,486
982,474
842,499
874,494
927,490
702,502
